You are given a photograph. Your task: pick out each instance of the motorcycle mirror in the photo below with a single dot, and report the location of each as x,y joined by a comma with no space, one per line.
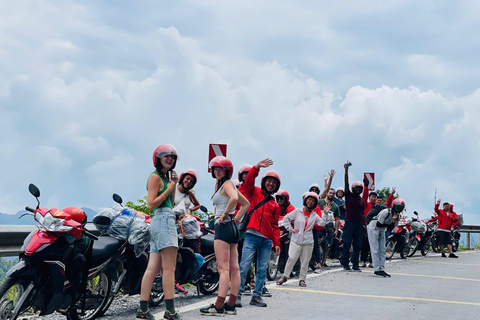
203,209
117,199
34,190
102,220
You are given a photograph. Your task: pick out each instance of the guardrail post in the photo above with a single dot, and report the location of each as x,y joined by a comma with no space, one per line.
468,240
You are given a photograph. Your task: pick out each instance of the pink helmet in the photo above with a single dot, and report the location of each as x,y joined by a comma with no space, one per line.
222,162
314,185
243,169
164,150
398,205
357,184
271,174
310,194
283,193
190,172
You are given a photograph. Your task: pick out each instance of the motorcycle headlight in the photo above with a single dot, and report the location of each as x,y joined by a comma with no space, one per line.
52,224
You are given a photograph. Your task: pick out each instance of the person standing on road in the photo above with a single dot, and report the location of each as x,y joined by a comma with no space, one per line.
164,241
339,194
329,233
262,228
283,199
445,222
354,222
370,199
376,234
227,235
301,244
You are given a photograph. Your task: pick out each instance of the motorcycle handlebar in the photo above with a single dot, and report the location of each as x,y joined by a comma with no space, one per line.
90,235
29,209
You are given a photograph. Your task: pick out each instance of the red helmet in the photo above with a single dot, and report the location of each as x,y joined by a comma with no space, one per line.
222,162
451,205
283,193
357,184
271,174
190,172
398,205
76,214
310,194
243,169
164,150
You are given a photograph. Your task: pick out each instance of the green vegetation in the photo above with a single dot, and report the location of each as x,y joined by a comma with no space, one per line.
385,192
5,265
141,206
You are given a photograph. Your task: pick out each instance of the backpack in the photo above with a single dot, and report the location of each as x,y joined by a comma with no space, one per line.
374,211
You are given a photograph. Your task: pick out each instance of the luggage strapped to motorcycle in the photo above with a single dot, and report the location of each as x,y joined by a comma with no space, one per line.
242,226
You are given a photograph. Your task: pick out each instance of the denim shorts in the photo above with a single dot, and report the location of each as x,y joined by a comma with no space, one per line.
163,230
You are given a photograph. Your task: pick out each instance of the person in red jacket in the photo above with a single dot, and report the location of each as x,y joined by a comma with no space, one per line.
262,229
454,215
445,220
283,200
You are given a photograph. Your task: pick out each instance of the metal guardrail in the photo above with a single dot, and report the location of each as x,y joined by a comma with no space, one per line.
11,237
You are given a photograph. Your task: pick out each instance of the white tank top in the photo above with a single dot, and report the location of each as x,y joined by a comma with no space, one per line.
220,202
179,197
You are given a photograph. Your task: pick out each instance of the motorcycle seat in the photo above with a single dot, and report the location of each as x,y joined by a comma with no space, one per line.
104,248
207,244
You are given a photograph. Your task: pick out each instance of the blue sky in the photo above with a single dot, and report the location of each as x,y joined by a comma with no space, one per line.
89,89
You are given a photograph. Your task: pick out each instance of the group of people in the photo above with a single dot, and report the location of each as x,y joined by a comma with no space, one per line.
258,210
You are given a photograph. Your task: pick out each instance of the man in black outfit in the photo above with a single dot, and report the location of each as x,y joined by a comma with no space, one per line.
354,222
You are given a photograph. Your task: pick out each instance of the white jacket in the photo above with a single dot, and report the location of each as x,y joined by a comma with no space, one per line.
305,234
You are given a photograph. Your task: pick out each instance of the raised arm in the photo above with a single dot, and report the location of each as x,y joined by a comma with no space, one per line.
437,205
389,200
347,187
327,184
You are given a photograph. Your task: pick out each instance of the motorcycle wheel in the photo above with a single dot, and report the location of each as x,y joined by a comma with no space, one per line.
454,246
157,295
405,251
435,246
11,291
426,248
412,247
99,289
211,286
272,268
390,249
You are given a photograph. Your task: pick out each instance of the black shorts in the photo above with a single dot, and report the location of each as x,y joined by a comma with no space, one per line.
444,238
227,231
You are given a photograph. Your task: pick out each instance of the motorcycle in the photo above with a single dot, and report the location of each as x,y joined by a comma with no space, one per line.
62,267
397,241
418,228
129,267
206,277
427,238
277,263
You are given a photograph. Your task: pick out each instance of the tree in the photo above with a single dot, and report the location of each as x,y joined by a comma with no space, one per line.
384,193
141,206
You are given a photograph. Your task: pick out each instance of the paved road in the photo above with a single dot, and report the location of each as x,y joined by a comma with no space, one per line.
420,288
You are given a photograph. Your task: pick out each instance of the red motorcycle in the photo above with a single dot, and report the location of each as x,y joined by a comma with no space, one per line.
62,267
397,241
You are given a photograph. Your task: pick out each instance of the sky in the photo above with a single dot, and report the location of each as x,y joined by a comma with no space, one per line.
89,89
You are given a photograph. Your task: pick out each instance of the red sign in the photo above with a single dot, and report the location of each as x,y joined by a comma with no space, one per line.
215,150
370,177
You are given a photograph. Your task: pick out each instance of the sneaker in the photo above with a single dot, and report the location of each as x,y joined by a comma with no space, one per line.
145,314
379,274
444,255
347,268
325,266
318,270
171,316
364,265
238,303
211,310
230,309
452,255
265,292
386,274
179,289
257,301
370,265
356,269
247,290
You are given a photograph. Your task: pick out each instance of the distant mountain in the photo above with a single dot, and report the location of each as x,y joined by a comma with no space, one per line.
12,219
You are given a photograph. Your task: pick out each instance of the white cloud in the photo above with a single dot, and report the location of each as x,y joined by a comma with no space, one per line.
299,85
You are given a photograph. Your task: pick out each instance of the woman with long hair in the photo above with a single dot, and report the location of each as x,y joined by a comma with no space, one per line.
227,235
161,187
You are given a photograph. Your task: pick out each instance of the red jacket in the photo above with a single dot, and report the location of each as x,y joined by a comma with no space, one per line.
265,218
283,212
445,220
368,205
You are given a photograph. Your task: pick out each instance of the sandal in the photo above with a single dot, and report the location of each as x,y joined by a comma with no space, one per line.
302,283
282,280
